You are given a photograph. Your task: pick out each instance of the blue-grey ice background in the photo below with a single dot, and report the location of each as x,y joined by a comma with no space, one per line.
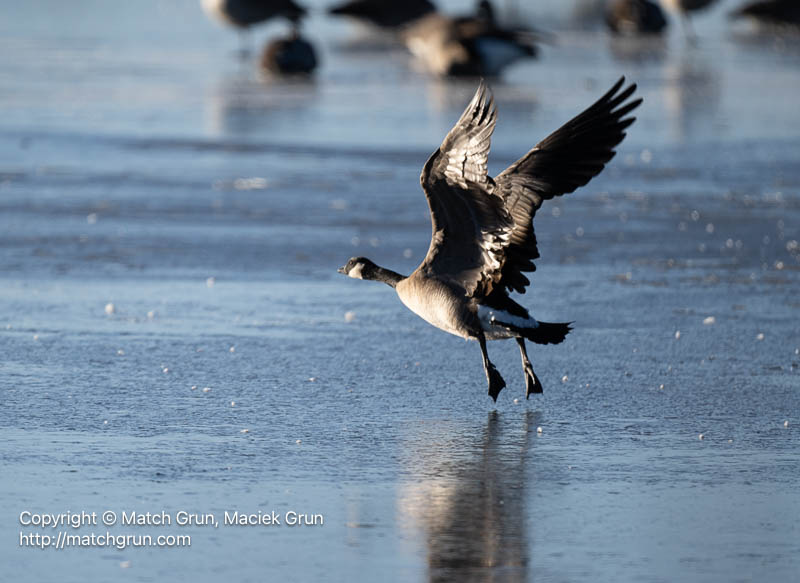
143,166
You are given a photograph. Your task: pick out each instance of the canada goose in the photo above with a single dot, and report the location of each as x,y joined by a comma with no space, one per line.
291,55
771,12
473,46
384,13
242,14
634,17
482,231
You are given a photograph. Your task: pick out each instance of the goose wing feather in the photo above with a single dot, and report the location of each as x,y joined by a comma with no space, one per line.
470,225
482,229
562,162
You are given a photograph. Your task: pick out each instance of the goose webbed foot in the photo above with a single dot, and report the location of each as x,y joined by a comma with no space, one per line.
495,380
532,384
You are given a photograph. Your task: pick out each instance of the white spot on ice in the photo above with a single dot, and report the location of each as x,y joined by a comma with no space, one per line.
255,183
110,308
710,320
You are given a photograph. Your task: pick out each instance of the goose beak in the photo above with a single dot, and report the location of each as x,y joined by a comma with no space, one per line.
342,270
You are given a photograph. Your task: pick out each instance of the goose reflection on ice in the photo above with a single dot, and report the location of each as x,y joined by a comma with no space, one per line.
244,105
470,503
691,99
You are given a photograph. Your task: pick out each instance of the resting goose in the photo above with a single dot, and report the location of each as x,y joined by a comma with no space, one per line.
471,46
245,13
634,17
242,14
292,55
771,12
482,232
388,14
684,7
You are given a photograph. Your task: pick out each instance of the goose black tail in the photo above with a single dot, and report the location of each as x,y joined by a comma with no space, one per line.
548,332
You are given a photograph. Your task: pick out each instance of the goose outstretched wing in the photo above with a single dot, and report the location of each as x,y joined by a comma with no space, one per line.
470,226
564,161
482,229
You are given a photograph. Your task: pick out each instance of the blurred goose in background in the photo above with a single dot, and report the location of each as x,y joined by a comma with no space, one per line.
483,240
634,17
468,45
771,12
384,13
242,14
683,8
292,55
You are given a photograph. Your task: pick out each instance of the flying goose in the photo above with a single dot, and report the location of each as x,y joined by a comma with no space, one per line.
482,232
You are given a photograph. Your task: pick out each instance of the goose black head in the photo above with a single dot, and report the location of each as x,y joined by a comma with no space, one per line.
359,268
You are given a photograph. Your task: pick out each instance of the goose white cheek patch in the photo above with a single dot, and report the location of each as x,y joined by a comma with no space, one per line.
355,272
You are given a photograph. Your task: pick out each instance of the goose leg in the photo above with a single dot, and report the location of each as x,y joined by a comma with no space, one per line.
688,29
244,44
496,382
532,384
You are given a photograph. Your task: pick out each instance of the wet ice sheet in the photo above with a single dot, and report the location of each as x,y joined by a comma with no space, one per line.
130,178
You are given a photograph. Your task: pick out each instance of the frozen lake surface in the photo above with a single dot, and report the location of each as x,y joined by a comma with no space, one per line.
171,222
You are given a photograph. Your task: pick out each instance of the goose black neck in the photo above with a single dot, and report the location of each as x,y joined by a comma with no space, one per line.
387,276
